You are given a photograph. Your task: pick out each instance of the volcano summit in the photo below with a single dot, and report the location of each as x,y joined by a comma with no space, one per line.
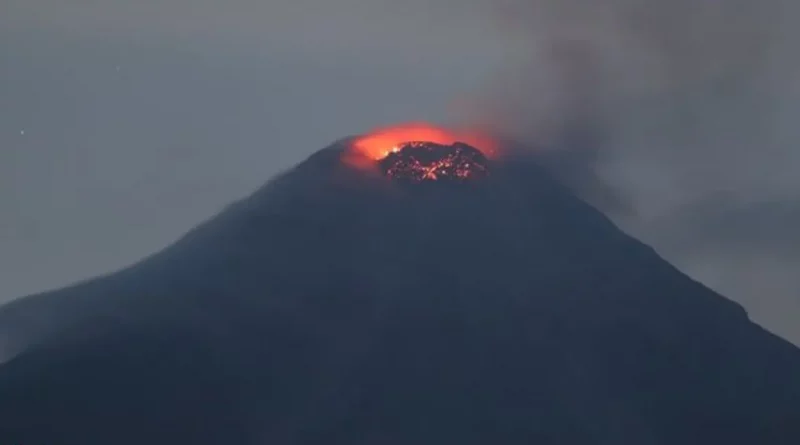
333,306
427,161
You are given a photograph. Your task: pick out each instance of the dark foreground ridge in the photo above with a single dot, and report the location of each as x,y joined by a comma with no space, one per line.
335,307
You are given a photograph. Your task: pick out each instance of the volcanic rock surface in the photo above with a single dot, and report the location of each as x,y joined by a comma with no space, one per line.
417,162
335,307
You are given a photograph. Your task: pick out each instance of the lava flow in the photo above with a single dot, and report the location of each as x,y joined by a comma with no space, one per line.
421,152
420,161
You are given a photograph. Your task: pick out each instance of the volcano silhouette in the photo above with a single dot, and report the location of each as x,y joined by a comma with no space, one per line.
335,306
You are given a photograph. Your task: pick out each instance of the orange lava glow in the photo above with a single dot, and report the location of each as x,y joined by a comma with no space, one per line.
379,143
418,162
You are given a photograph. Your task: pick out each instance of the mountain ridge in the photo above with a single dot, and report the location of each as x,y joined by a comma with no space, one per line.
335,306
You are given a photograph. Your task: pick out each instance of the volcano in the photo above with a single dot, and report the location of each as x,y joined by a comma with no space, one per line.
334,306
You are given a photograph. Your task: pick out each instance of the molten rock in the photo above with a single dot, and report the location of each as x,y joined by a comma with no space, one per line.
417,162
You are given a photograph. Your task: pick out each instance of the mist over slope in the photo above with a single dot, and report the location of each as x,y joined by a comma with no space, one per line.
337,306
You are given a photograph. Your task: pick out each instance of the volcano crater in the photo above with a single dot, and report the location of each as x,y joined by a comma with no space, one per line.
421,162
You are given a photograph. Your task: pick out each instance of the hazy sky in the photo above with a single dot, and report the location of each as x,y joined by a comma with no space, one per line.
123,124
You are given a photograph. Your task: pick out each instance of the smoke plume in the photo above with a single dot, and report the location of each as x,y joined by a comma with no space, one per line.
674,117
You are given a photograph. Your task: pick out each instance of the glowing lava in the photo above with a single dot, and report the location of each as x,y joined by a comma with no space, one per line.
379,143
416,162
428,152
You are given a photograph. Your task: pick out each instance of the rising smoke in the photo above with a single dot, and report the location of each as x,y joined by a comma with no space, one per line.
677,119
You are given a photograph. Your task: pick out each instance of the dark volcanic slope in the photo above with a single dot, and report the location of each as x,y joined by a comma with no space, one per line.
336,307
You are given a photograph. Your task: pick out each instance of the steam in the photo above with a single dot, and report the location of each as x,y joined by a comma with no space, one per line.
677,118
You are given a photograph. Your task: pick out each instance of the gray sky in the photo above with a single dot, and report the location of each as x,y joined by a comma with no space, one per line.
123,124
